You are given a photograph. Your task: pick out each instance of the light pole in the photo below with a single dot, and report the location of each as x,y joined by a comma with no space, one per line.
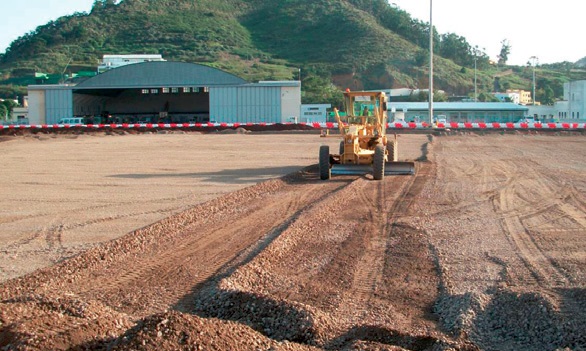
534,62
475,91
430,62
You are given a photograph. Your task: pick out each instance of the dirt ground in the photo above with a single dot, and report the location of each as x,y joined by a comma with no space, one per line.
231,242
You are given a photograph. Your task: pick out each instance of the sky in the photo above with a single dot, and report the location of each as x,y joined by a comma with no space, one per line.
23,16
550,30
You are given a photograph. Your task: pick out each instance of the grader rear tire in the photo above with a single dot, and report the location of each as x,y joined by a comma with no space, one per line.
393,152
378,163
324,163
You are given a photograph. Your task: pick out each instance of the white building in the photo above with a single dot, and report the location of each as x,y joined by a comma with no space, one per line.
513,97
575,97
406,92
166,92
571,109
314,113
114,61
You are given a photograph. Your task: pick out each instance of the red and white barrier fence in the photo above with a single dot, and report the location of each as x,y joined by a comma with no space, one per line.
327,125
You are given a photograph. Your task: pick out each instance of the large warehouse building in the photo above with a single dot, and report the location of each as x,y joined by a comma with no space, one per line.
166,92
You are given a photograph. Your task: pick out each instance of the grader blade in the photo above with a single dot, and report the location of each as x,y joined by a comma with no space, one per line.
399,168
350,169
391,168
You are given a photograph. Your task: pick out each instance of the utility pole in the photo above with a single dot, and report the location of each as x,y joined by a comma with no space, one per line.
430,62
534,62
475,91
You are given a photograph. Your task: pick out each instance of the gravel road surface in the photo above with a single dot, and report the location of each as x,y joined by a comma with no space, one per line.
231,242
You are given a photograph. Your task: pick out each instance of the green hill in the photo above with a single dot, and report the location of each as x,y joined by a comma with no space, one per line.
337,44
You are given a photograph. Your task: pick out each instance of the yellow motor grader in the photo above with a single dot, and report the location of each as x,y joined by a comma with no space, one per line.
365,147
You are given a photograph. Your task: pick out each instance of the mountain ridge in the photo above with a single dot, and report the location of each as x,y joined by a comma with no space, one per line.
360,44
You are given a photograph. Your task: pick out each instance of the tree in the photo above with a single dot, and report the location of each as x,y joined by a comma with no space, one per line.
320,90
545,95
439,96
505,51
455,48
484,97
102,4
6,107
3,112
422,57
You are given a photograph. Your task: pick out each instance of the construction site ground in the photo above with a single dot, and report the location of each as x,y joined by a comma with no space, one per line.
189,241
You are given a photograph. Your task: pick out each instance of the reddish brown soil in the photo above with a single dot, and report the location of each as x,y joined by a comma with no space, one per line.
482,249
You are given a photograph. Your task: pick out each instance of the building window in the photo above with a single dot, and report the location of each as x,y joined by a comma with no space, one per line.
165,90
174,90
186,90
145,91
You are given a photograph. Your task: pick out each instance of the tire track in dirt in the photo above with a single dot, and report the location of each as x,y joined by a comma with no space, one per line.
385,202
154,282
52,234
304,202
368,271
206,250
540,267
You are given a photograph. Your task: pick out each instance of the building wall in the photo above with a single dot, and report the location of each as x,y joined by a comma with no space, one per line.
575,95
544,113
268,102
20,113
36,107
58,104
290,103
459,112
314,113
247,104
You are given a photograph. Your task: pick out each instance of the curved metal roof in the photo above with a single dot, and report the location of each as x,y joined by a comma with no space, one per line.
161,74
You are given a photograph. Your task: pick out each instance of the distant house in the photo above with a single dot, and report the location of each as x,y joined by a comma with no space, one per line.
114,61
524,96
508,97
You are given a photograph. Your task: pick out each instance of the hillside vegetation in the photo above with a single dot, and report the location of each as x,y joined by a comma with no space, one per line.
337,44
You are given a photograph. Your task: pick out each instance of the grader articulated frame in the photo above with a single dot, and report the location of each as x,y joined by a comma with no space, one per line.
365,147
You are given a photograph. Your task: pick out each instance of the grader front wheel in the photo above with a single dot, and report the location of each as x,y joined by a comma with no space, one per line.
378,163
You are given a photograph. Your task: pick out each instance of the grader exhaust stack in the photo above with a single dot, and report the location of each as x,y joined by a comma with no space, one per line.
365,147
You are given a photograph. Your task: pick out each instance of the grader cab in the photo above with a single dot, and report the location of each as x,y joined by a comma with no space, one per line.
365,147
